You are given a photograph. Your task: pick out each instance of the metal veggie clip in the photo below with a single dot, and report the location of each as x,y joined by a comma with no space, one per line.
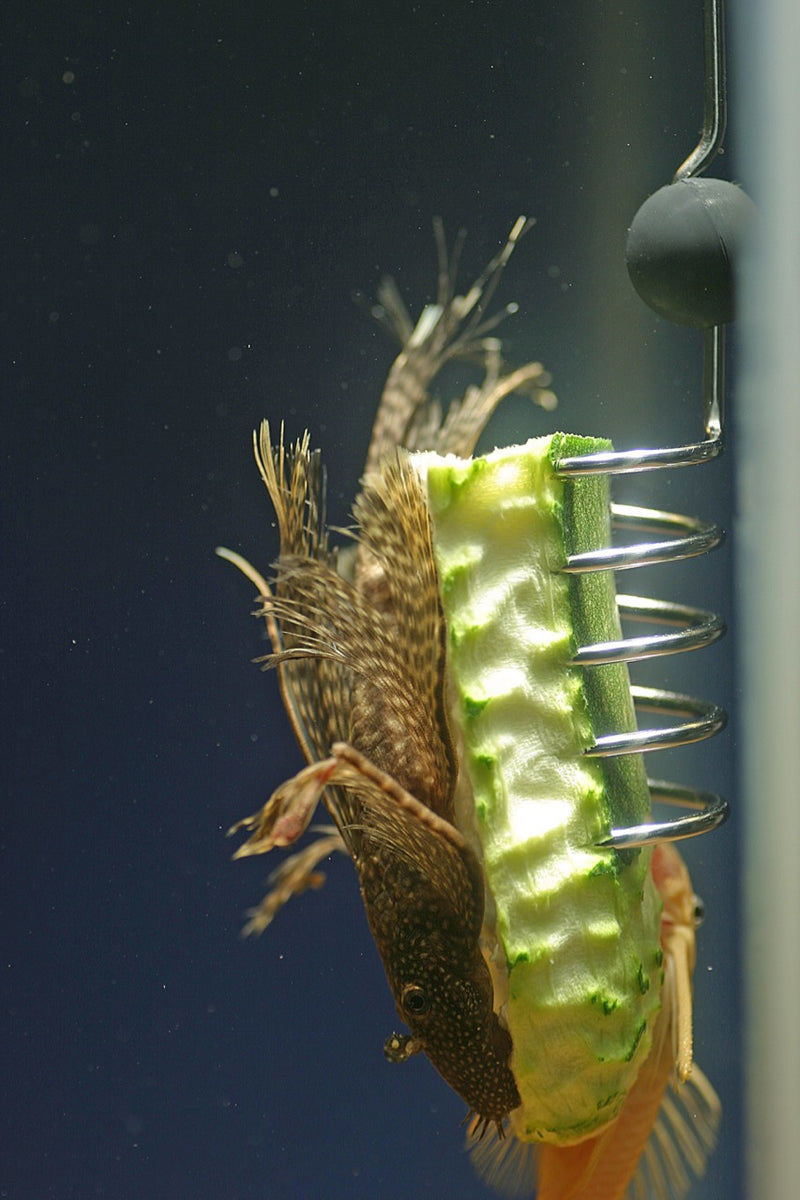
457,681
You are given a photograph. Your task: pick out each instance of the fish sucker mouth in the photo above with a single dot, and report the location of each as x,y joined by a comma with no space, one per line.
484,1082
455,1025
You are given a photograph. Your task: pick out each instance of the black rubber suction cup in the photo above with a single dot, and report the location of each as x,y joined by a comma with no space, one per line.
683,249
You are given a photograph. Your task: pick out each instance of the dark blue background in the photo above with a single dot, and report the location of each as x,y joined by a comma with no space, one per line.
193,194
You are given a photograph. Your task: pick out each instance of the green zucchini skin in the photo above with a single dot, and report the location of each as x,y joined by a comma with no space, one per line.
578,925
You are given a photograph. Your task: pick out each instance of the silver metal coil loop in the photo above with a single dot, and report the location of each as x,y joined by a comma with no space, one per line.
698,628
628,462
712,811
699,538
703,721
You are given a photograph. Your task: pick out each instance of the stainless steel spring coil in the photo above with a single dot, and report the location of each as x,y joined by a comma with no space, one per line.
682,246
689,628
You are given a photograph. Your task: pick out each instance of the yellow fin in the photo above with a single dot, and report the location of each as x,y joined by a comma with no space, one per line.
683,1137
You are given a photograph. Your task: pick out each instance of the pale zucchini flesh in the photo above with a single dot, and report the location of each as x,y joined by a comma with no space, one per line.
579,925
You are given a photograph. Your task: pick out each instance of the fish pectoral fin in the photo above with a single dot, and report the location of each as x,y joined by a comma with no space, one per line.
287,813
684,1134
295,875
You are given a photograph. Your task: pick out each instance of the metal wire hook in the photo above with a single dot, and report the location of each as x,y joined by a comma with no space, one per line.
699,628
715,110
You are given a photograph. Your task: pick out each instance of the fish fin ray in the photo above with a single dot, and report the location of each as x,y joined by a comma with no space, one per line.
506,1164
683,1137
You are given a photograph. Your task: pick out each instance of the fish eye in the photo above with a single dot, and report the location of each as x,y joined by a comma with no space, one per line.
699,911
415,1000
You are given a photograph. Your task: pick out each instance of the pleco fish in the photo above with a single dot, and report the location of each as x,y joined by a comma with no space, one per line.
444,725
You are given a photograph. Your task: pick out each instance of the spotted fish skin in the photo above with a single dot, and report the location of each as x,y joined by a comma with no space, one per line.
360,654
423,894
365,659
359,650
